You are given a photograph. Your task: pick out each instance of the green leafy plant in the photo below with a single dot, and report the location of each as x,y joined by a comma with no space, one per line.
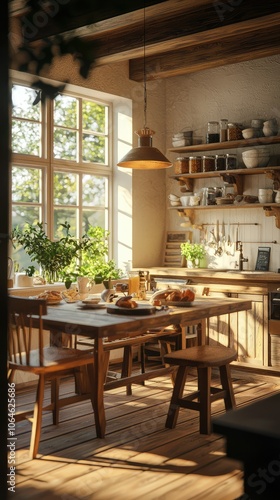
193,251
94,261
30,270
52,256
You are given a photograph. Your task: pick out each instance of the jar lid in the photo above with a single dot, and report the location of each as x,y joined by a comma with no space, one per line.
181,158
208,157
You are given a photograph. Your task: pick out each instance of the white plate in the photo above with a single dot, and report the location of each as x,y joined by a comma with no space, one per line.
88,305
92,301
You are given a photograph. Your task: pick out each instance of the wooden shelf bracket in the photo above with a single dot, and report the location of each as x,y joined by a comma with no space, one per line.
273,211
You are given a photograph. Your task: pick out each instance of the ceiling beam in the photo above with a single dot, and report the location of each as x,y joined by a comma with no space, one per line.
228,50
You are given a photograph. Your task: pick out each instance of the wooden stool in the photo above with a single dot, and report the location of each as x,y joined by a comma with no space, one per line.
204,358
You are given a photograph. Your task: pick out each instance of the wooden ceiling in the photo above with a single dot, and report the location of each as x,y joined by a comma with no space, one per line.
181,36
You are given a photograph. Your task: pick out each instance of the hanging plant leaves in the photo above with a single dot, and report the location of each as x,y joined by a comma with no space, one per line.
46,90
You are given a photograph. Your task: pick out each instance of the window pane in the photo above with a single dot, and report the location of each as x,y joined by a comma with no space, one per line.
94,148
60,216
22,100
94,190
65,188
65,144
65,111
94,218
20,217
26,137
94,117
26,185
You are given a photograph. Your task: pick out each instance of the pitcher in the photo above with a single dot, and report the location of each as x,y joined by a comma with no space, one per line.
84,286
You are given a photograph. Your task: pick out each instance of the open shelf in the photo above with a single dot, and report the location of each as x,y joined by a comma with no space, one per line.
219,173
243,143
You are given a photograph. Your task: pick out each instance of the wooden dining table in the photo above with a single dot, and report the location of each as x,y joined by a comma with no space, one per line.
99,324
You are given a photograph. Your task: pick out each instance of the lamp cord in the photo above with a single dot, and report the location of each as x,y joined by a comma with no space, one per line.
144,70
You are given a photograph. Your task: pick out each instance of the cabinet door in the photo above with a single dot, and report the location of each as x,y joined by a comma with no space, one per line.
246,331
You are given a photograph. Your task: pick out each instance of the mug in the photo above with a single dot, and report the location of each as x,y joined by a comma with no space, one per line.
194,201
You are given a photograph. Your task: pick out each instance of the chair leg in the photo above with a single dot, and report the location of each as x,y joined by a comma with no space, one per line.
37,418
55,400
226,382
127,366
177,394
204,382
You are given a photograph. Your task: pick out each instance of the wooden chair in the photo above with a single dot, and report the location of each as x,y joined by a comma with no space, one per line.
204,358
27,353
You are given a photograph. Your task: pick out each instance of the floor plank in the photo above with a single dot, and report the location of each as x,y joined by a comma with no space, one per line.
139,457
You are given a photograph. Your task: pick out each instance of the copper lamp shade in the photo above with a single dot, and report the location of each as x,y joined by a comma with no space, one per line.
144,157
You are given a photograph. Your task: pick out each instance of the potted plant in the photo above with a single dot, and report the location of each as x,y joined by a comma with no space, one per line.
193,252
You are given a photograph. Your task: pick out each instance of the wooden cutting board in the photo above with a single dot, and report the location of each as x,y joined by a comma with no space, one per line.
142,309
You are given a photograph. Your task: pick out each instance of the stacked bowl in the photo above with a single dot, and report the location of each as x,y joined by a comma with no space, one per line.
257,157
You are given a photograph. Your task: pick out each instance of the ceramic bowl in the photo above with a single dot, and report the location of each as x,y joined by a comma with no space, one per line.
248,133
255,158
173,197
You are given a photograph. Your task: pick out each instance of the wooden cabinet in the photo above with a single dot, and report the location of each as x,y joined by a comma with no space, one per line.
246,331
251,333
230,176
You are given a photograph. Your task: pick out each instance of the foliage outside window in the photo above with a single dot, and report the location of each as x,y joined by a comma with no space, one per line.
61,168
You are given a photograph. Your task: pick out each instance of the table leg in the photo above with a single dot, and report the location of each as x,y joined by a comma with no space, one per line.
97,388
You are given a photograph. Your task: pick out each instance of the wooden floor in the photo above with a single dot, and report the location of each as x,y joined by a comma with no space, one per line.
139,458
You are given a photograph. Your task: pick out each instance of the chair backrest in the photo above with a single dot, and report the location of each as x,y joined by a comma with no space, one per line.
25,329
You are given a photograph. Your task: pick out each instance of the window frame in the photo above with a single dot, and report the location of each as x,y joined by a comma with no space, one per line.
49,164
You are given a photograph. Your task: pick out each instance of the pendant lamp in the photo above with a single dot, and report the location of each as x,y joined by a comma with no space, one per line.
145,156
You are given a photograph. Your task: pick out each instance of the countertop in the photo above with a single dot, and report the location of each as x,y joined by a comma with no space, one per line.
216,275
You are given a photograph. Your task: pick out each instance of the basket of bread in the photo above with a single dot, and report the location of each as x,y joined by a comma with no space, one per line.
173,297
51,296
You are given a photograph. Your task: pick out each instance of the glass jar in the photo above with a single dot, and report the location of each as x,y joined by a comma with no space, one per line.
211,196
181,165
223,129
213,132
194,164
231,162
234,132
220,162
208,163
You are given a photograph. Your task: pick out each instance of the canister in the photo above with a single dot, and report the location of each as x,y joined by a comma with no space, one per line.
194,164
181,165
220,162
231,162
208,163
213,132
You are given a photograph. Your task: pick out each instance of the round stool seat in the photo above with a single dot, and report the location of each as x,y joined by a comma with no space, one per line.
202,356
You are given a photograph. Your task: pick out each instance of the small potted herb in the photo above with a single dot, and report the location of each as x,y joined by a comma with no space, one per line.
193,252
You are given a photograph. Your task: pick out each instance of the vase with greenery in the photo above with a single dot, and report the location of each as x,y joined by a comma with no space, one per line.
193,252
52,256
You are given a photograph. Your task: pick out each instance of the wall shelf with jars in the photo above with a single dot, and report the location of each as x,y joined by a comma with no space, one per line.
235,176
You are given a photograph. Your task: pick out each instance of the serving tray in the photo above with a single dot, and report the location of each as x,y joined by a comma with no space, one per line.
142,309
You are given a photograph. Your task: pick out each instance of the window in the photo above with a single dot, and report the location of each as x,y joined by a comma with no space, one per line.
61,169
